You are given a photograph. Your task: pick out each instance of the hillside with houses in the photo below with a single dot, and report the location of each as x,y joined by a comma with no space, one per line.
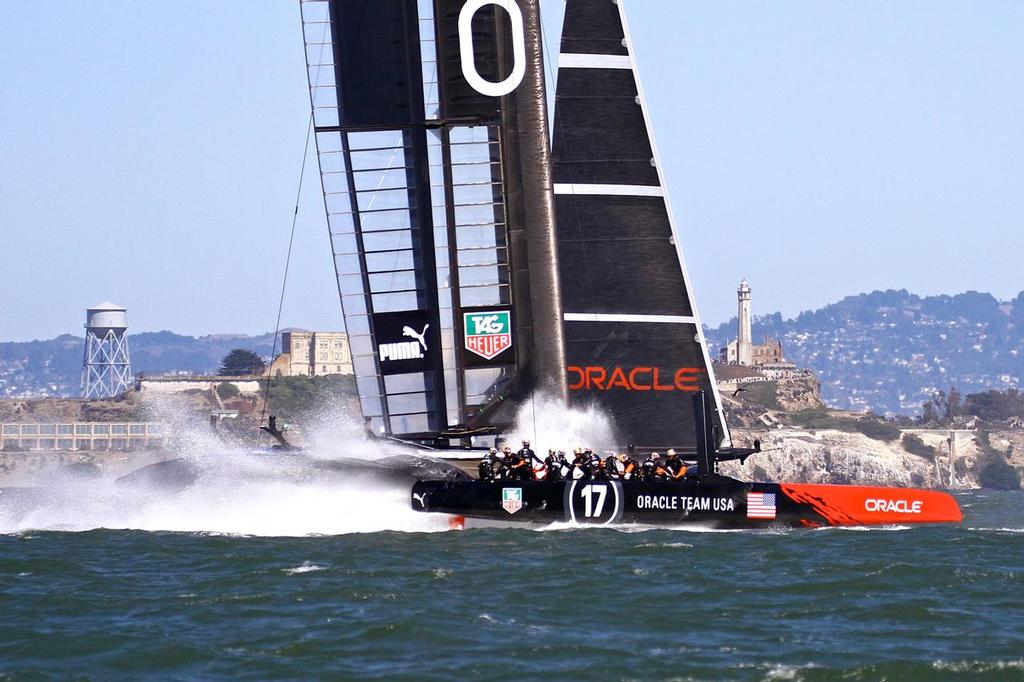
890,351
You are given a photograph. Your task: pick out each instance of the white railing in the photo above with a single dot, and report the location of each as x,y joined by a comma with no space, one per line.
102,436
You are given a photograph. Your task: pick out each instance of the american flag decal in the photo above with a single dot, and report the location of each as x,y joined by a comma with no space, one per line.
760,505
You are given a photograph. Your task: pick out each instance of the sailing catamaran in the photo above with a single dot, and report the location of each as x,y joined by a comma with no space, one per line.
478,260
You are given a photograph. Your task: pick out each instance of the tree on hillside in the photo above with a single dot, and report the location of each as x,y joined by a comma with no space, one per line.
1017,311
996,406
943,408
241,362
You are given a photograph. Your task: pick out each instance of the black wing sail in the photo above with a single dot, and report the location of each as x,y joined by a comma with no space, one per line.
633,339
442,232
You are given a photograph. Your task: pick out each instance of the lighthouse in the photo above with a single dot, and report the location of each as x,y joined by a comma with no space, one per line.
744,340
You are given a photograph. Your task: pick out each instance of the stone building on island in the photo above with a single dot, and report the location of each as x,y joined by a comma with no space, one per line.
305,353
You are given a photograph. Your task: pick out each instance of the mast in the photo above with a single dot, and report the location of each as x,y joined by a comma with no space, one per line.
537,274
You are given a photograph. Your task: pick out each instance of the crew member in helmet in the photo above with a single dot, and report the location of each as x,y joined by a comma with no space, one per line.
661,472
675,467
534,462
552,470
593,462
490,466
579,464
562,465
519,469
628,467
507,456
610,468
649,466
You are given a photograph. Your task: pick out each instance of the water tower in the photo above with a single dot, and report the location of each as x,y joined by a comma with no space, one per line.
106,370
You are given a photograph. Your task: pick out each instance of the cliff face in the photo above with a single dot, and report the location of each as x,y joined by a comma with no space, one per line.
799,393
745,401
67,410
828,456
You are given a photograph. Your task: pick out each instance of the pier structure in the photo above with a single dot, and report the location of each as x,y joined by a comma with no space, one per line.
106,368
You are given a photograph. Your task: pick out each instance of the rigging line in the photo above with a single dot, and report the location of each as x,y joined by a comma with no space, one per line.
287,265
295,214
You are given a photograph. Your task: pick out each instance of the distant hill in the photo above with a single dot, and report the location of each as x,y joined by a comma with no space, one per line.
888,351
54,367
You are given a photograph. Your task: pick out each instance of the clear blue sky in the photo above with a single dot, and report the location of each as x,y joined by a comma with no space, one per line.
149,153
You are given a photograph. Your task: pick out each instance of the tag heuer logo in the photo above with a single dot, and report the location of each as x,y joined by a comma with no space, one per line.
488,334
511,499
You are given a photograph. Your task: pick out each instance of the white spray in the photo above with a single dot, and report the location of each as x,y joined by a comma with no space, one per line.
218,489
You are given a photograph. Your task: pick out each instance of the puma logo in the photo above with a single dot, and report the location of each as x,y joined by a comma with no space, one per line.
421,498
421,337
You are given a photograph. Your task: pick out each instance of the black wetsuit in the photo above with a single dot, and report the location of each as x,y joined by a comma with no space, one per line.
675,467
611,468
531,459
648,469
518,468
578,463
486,469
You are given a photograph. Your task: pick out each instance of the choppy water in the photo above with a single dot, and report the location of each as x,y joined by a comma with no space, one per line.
914,603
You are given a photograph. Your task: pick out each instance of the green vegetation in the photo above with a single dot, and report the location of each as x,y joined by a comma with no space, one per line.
241,362
993,469
913,444
991,406
877,428
996,406
226,390
295,398
814,419
762,394
871,426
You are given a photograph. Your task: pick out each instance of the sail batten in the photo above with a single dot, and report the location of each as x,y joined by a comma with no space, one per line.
568,60
629,317
609,190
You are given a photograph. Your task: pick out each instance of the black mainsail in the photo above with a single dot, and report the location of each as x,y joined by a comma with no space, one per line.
432,138
633,339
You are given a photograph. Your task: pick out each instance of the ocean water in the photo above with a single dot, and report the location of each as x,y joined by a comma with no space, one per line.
384,593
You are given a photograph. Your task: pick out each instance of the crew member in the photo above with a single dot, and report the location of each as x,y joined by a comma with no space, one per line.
647,468
628,467
562,465
535,463
506,462
552,469
593,462
675,467
489,465
661,472
519,469
610,467
579,464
